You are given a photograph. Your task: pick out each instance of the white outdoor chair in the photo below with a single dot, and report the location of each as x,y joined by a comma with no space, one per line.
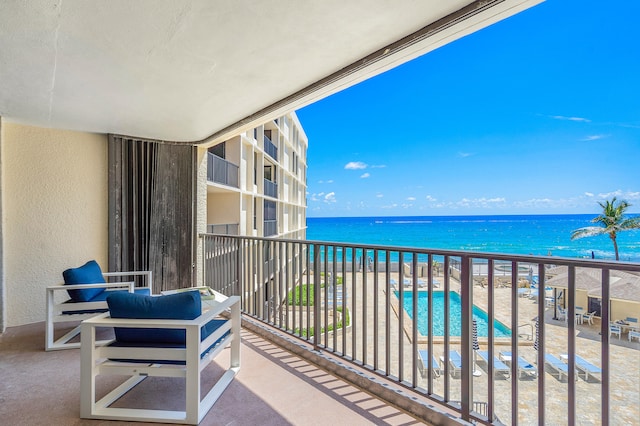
163,336
588,318
562,314
615,329
87,291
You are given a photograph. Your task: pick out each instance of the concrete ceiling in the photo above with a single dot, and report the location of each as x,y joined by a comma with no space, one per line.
202,70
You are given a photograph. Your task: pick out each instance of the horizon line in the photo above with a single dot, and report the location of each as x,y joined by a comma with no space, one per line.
462,215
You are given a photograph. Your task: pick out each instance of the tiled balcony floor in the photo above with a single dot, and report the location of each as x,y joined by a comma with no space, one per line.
273,387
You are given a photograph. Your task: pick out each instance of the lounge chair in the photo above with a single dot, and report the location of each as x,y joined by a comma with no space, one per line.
455,362
587,368
498,366
408,283
632,320
524,366
163,336
560,367
423,356
633,334
82,296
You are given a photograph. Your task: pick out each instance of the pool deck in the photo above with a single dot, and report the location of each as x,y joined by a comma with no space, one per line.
624,360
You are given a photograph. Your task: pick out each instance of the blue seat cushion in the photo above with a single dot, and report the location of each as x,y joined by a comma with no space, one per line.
89,273
102,297
180,306
205,332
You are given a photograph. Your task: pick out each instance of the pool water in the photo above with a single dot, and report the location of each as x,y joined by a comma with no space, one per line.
455,315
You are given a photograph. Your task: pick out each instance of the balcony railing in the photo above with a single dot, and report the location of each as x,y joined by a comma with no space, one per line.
270,148
270,228
360,302
223,228
222,171
270,188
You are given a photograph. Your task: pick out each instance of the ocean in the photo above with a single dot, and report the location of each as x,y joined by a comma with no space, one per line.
539,235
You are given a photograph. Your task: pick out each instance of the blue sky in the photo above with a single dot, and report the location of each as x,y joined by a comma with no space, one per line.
537,114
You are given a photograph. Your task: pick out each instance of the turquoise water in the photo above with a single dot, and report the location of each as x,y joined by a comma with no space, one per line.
527,234
455,315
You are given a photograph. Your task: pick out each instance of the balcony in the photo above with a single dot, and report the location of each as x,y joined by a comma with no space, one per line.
371,290
270,148
270,228
223,228
269,380
365,299
222,171
270,189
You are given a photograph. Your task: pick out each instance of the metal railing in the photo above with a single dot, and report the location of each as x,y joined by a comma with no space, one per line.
270,189
222,171
270,148
270,227
359,303
223,228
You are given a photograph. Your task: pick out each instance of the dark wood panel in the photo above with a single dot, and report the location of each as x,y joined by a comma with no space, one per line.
151,210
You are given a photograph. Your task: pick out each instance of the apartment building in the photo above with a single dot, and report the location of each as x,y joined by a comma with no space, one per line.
257,181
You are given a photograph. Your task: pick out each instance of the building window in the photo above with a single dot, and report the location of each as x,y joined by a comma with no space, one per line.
219,150
255,168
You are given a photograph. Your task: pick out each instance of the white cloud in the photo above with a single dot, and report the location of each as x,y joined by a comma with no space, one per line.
430,198
379,195
588,194
607,195
390,206
481,202
355,165
330,197
379,166
593,138
563,117
411,198
465,154
364,175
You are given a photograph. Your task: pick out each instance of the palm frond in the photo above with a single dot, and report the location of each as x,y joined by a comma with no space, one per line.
589,231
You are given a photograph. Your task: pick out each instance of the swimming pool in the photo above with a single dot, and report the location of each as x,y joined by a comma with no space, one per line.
455,322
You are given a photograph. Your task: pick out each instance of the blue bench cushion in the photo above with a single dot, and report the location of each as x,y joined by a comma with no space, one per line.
89,273
181,306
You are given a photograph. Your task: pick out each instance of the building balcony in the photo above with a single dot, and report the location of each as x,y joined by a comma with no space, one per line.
223,228
359,303
222,171
270,149
273,387
270,228
270,189
356,322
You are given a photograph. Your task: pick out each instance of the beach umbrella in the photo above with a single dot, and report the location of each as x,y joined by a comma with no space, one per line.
535,343
476,347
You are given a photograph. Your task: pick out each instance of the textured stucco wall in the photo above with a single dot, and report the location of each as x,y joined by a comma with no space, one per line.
55,211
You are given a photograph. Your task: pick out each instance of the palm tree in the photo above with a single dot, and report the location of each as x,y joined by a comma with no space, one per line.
611,222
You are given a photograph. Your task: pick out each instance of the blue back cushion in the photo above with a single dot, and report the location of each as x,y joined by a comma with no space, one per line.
89,273
184,306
